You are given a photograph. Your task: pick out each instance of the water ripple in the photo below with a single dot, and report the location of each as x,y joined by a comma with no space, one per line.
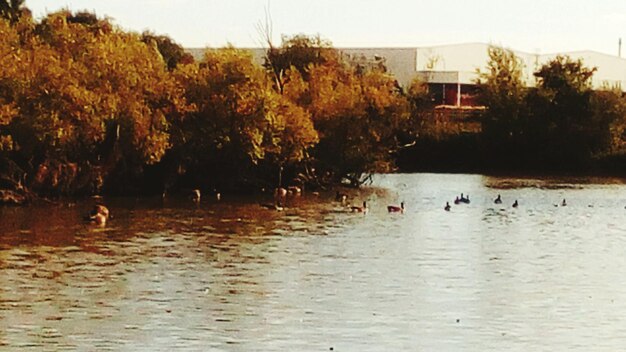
236,276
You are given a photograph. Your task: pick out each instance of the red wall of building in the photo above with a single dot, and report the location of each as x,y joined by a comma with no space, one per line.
450,96
446,94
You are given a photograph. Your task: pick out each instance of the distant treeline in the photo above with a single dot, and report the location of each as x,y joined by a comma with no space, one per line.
88,108
557,124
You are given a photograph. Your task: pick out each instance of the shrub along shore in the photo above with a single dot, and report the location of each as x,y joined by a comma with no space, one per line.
87,108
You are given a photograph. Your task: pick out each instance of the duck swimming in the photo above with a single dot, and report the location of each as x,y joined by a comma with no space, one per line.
356,209
99,219
99,215
294,190
515,204
498,200
280,196
195,196
272,206
395,208
447,207
341,197
100,209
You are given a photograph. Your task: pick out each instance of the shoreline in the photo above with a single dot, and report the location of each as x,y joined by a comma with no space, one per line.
256,196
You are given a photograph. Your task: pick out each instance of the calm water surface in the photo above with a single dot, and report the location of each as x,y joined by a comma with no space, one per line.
234,276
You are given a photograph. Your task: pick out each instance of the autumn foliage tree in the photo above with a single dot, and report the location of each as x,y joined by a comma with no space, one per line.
12,10
173,54
356,110
87,102
91,108
358,117
238,122
86,107
297,52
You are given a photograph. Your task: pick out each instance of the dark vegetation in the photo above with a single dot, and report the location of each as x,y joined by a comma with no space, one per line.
558,126
86,108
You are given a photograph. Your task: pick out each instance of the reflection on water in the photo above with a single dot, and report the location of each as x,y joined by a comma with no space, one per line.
234,276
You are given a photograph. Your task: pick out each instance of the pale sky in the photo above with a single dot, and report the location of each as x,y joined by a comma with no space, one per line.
533,26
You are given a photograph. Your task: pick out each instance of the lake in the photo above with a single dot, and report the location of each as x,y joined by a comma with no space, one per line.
234,276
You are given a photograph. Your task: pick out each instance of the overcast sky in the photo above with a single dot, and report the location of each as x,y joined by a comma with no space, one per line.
533,26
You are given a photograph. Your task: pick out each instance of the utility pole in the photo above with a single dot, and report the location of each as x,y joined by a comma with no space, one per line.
619,48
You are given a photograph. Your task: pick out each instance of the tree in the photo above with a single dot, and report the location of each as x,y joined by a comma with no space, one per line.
298,52
296,131
358,117
172,53
239,120
12,9
563,121
503,93
421,107
357,108
88,105
9,40
609,107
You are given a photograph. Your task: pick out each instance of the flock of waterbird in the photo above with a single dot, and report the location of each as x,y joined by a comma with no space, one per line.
463,199
342,197
498,200
99,215
466,200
